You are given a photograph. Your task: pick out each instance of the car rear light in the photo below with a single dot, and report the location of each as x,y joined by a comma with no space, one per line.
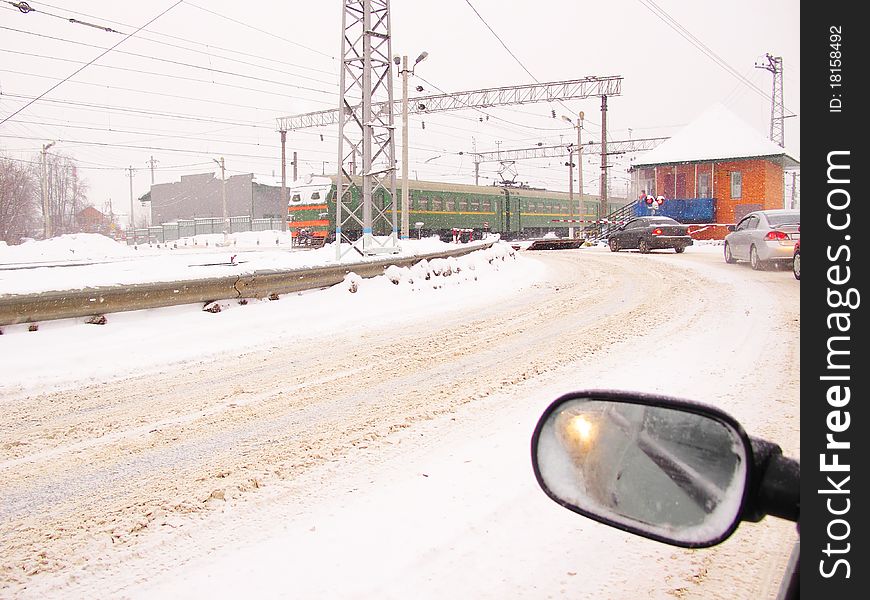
657,231
773,236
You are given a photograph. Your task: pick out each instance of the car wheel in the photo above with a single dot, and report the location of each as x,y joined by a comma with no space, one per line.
614,245
796,266
754,261
680,249
643,246
729,258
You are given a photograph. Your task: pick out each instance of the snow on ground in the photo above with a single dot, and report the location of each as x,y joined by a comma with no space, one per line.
145,340
140,341
264,554
90,260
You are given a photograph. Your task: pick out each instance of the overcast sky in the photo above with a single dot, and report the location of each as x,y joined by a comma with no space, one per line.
209,78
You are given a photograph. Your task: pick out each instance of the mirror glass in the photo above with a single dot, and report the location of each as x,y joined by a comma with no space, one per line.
664,472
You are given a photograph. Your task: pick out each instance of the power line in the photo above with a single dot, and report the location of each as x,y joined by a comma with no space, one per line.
89,105
138,147
166,60
149,92
209,46
90,62
688,36
519,62
269,33
143,72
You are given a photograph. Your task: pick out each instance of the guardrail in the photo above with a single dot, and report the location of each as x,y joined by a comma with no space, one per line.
46,306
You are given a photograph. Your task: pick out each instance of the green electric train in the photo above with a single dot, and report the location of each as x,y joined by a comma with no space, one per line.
443,208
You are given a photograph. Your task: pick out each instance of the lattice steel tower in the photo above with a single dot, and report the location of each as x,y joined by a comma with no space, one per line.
366,186
777,109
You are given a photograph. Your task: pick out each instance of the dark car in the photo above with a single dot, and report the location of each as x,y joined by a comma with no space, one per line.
650,233
796,260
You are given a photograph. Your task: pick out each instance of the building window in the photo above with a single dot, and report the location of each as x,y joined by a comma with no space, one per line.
736,184
704,185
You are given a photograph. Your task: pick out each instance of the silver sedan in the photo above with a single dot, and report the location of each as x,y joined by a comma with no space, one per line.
764,237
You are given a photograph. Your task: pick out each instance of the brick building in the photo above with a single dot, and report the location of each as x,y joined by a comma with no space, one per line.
90,220
718,162
199,195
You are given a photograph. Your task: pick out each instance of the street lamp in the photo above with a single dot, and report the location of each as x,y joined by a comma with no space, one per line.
404,72
579,126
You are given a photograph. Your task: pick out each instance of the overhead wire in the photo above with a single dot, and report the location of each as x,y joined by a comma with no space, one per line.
209,46
144,72
71,75
149,92
666,18
166,60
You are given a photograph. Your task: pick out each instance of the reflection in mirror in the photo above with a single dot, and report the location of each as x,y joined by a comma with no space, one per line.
668,472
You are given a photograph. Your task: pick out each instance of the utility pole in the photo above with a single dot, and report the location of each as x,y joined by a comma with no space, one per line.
404,72
224,199
46,204
579,150
602,212
570,165
777,109
152,162
295,170
282,198
132,224
476,161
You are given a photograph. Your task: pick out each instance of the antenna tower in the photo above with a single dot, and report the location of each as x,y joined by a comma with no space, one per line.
777,109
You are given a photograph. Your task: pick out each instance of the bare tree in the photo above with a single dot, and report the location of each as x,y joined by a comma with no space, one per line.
19,217
66,194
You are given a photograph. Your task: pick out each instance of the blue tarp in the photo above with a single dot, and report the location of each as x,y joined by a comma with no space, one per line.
691,210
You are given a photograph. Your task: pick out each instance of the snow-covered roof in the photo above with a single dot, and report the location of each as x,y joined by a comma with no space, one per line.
267,180
717,134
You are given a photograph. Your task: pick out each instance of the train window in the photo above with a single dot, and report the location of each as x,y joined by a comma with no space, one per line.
486,205
448,205
474,205
315,196
296,198
462,205
436,203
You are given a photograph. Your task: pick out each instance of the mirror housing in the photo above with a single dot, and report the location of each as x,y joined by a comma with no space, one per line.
671,470
731,228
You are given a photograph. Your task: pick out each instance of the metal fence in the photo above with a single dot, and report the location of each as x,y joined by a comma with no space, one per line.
182,228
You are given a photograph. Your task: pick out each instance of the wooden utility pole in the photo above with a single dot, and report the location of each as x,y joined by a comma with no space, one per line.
152,162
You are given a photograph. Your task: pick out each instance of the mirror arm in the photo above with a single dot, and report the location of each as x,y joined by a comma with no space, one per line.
779,495
774,488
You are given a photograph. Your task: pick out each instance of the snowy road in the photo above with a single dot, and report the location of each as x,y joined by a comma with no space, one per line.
398,465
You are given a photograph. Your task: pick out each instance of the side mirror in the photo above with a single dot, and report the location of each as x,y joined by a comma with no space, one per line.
731,228
666,469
